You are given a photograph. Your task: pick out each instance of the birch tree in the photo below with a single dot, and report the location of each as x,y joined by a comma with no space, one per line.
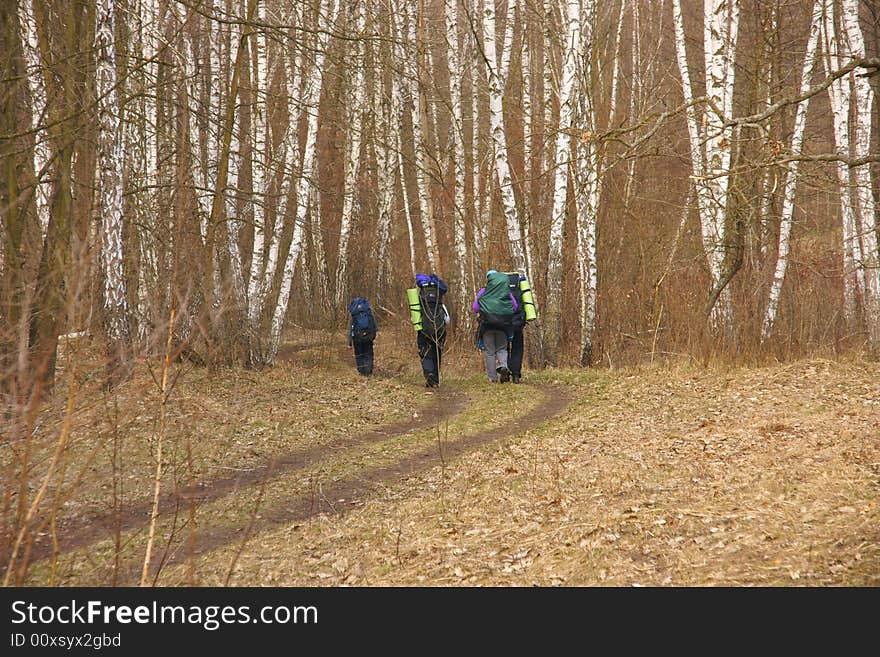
861,174
711,143
586,183
141,148
385,149
790,184
457,151
839,96
720,28
567,101
261,270
481,181
410,58
306,179
355,111
496,74
109,200
37,87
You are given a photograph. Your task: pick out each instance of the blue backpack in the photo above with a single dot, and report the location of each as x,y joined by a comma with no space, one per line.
363,324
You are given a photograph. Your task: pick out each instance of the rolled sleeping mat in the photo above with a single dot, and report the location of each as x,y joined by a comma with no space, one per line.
528,300
415,308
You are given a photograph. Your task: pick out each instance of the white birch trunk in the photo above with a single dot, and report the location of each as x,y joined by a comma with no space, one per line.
861,175
407,207
355,122
586,184
386,150
499,143
306,179
260,277
110,166
233,227
37,88
550,112
218,82
456,150
839,99
315,227
482,201
415,98
322,275
634,97
710,166
288,160
720,27
567,98
399,99
526,72
790,185
141,138
197,136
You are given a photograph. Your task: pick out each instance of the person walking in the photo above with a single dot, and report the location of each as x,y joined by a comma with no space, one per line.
496,307
361,334
434,319
517,342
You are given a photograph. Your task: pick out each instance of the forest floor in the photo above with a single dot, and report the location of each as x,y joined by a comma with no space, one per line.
307,474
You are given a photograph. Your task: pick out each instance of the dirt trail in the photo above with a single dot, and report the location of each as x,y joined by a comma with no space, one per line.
340,496
89,530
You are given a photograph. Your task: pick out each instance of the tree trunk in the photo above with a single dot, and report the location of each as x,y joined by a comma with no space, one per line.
355,121
861,176
501,158
457,157
839,99
109,201
790,185
306,180
567,99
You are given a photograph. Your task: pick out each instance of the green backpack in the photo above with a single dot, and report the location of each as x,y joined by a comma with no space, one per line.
496,307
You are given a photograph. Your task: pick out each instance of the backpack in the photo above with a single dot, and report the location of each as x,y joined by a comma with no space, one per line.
433,312
519,316
363,324
496,308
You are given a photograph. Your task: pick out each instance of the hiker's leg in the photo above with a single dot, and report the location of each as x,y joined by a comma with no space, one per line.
424,354
368,357
515,357
428,356
359,356
490,340
439,355
501,353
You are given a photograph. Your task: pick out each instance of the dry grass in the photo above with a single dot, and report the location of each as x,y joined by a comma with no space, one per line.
672,476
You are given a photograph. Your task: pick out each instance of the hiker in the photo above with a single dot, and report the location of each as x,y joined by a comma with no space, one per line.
361,333
522,293
497,307
430,318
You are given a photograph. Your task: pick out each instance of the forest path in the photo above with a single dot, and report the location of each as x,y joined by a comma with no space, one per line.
348,492
446,403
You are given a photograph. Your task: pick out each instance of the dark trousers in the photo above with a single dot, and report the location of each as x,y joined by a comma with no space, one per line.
430,352
515,355
363,357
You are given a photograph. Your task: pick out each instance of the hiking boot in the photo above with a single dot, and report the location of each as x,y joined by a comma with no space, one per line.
515,378
503,374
